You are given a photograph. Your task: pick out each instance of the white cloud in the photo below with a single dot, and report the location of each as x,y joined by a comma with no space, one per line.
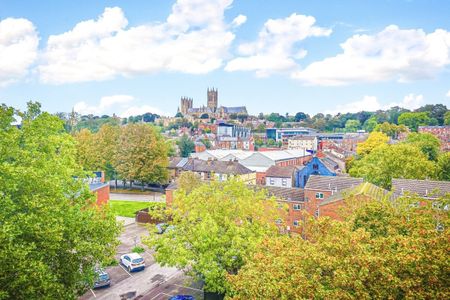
18,49
275,49
392,54
194,39
448,93
371,103
123,105
239,20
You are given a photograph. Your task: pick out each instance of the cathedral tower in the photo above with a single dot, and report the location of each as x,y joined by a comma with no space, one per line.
186,104
212,99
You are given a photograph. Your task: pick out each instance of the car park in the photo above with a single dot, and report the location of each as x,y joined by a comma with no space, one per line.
132,262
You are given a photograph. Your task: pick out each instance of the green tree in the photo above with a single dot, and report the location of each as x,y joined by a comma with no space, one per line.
436,111
52,234
142,154
391,130
186,146
374,140
447,118
216,228
443,166
352,125
370,124
384,250
414,119
393,161
426,142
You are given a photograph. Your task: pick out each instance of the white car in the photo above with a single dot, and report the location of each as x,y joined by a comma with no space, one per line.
132,261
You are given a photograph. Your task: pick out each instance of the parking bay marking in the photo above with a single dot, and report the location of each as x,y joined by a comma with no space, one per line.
93,293
123,268
187,287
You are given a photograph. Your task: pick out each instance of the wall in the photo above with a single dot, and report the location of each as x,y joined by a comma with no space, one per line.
302,176
102,195
278,181
311,202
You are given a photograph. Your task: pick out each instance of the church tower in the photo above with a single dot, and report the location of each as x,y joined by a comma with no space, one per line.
212,99
186,104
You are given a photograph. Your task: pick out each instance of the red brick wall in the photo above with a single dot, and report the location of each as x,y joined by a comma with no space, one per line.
261,178
169,197
312,203
102,195
331,210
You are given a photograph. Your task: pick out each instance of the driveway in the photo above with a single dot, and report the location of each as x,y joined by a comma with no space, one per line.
153,197
138,284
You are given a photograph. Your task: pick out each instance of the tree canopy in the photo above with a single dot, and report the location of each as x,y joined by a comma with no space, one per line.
383,250
393,161
216,227
374,140
52,234
186,146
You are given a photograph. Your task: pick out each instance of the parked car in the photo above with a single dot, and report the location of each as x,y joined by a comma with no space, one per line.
102,279
182,297
161,227
132,261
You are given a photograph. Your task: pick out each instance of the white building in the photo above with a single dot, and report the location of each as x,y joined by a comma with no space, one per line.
307,142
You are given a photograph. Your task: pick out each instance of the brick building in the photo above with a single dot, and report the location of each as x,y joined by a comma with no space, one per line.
320,188
441,132
99,187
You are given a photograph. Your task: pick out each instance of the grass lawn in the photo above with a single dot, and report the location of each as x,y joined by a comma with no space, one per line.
129,208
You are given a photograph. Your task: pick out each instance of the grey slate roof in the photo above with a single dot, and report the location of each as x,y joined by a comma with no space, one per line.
282,172
216,166
331,183
281,193
423,188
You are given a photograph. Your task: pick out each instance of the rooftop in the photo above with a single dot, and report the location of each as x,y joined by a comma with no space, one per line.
278,171
216,166
424,188
281,193
332,183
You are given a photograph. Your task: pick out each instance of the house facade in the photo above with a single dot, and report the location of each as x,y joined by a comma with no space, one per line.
280,176
314,167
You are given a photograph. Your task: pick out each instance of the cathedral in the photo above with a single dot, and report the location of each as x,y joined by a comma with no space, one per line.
212,108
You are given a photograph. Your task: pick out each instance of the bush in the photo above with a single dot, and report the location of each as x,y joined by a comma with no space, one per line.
138,249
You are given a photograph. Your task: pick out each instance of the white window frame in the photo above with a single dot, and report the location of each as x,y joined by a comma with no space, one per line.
271,181
296,223
319,195
284,181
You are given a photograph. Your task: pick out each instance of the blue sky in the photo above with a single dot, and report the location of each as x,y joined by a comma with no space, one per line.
130,57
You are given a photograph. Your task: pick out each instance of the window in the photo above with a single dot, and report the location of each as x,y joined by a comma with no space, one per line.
296,223
319,195
297,207
271,181
315,167
284,182
316,213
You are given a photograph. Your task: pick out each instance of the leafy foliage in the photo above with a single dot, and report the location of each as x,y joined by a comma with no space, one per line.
415,119
216,227
393,161
426,142
384,250
374,140
186,146
52,234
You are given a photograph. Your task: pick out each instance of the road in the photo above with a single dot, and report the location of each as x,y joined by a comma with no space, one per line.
154,281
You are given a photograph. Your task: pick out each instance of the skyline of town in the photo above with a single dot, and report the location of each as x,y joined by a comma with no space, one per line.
130,58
